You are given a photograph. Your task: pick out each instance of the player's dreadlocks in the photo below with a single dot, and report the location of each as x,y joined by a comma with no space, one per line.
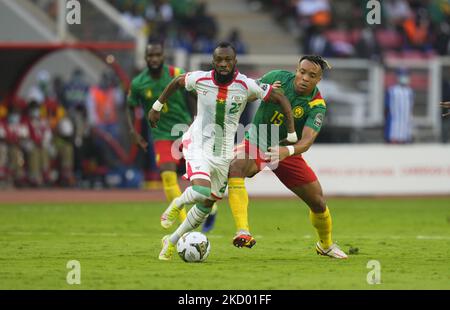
318,60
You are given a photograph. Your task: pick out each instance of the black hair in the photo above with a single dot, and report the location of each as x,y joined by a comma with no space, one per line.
155,41
225,44
318,60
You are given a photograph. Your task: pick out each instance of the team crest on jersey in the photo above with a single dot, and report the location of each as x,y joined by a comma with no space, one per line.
238,99
298,112
148,93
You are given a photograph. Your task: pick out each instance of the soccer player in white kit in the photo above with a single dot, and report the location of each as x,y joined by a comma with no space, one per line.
208,144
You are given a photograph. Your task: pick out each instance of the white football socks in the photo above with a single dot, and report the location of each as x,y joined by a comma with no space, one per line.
194,218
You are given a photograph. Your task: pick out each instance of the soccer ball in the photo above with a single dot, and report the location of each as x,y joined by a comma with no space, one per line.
193,247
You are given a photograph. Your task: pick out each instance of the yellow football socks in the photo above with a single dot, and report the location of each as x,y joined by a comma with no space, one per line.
238,200
172,189
322,223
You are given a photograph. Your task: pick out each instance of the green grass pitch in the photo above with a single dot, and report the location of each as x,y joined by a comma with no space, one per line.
117,246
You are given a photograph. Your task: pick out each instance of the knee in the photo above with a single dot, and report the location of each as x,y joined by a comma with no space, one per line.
318,204
237,169
209,203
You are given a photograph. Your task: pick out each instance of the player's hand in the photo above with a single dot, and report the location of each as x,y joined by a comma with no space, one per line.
276,154
153,117
276,84
445,105
139,140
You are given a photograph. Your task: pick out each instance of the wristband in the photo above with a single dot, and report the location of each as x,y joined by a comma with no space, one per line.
157,106
292,137
291,149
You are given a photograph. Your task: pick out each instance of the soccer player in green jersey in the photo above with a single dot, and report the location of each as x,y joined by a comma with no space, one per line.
146,87
308,109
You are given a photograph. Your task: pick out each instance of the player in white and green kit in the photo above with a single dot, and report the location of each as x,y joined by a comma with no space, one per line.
208,144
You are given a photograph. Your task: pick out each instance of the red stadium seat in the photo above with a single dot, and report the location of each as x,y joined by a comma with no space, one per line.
389,39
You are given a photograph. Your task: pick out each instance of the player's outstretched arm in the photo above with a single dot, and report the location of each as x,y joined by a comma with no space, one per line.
277,97
137,138
155,111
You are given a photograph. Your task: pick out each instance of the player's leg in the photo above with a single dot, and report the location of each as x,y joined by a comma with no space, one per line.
198,172
242,166
167,163
195,217
302,181
208,225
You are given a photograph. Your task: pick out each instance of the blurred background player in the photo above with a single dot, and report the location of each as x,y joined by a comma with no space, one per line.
222,95
309,109
145,89
399,110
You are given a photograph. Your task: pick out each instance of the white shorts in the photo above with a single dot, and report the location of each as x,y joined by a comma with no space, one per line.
213,169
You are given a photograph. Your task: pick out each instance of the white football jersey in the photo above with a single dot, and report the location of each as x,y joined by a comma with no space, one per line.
219,108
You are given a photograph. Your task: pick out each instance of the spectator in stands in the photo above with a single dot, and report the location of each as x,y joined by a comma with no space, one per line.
235,39
312,14
159,14
58,89
18,140
399,110
318,43
42,89
133,19
40,149
102,105
417,31
75,96
367,46
205,30
3,147
442,41
397,11
75,92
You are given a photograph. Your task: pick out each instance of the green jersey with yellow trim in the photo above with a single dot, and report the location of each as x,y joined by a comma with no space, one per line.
307,111
145,91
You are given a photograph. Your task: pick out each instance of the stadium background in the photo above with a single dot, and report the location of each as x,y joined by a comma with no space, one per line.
351,156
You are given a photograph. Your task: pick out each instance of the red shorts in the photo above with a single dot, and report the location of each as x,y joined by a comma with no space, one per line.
292,172
163,152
